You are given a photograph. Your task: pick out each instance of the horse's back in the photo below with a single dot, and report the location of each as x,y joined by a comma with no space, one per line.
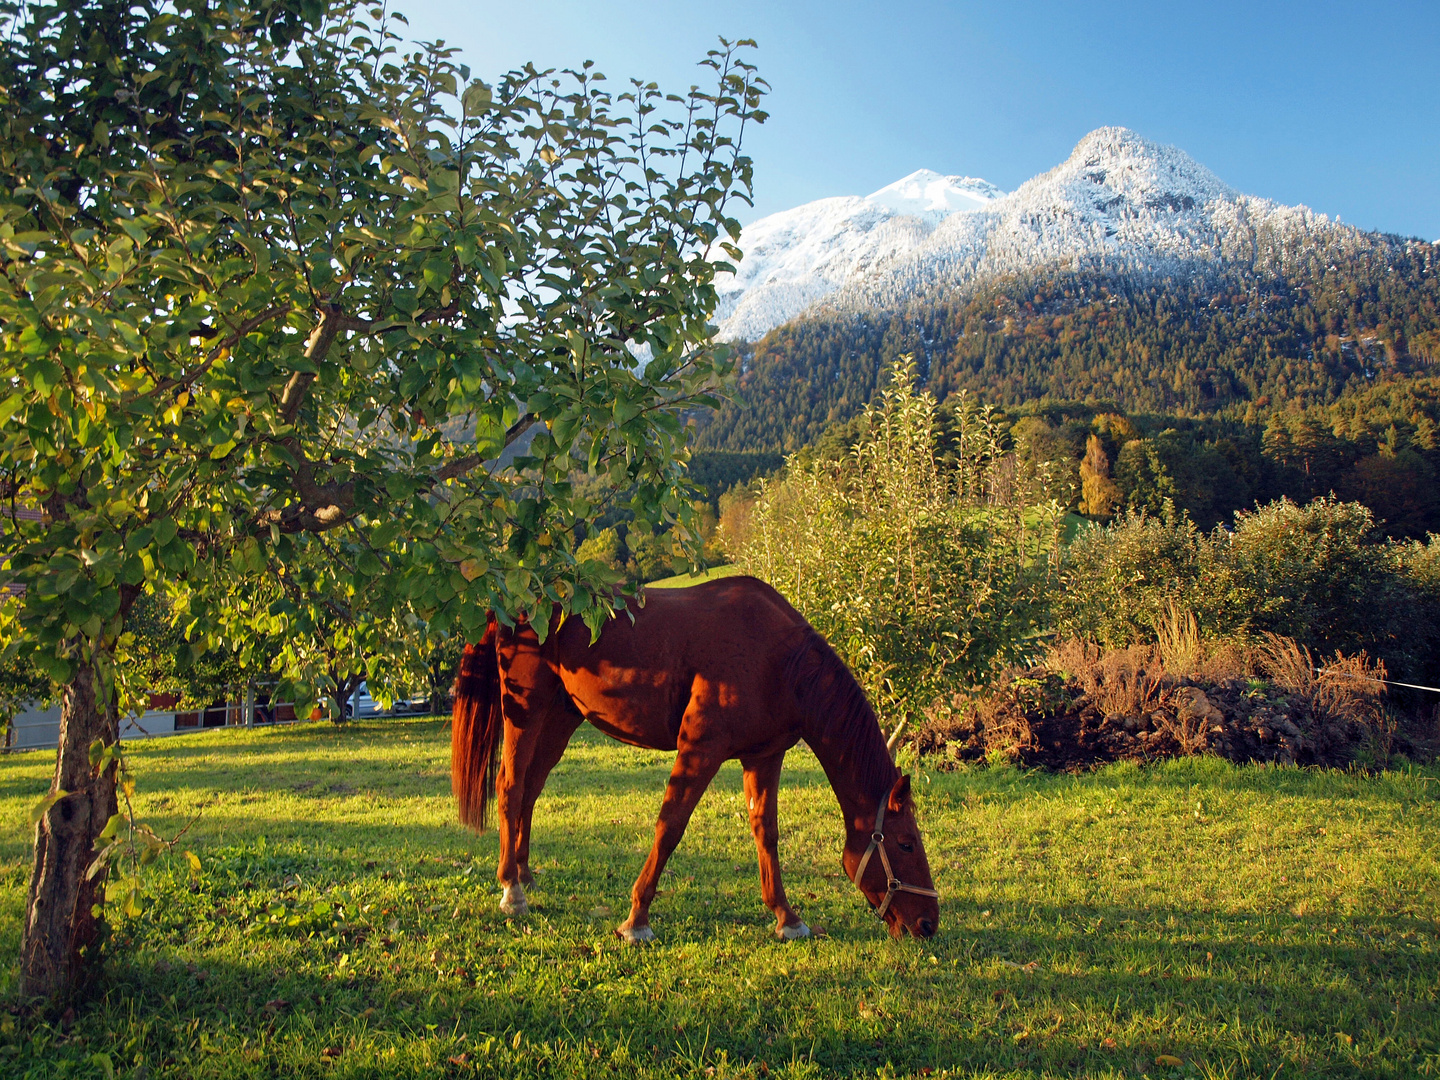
719,649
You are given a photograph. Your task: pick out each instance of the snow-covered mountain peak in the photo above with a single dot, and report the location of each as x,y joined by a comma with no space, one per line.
1118,161
1119,204
796,257
924,192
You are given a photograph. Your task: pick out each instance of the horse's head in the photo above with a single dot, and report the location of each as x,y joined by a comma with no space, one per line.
895,875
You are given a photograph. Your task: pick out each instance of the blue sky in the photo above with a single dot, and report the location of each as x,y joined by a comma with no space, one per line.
1336,106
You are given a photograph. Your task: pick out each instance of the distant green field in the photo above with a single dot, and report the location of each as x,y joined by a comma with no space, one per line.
1245,922
680,581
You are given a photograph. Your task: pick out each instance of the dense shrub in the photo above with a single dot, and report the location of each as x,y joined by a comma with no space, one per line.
1320,574
1120,579
921,574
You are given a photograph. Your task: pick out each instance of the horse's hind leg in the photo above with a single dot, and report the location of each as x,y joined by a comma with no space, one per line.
559,725
694,769
518,753
762,789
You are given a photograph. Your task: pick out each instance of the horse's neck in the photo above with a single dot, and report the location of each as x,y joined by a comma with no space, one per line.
858,767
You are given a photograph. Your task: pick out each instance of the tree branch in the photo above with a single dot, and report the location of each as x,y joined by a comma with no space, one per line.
234,338
318,344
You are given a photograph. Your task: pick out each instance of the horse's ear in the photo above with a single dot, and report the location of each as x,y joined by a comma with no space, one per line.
899,794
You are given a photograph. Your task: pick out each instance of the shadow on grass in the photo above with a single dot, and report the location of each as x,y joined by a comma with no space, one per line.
1214,996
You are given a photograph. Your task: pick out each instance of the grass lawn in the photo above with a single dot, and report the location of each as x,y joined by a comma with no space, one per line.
1188,920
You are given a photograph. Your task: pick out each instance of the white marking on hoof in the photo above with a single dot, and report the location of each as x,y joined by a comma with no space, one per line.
512,900
792,933
635,935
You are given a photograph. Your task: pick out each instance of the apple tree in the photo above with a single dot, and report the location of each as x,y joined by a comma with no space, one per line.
277,292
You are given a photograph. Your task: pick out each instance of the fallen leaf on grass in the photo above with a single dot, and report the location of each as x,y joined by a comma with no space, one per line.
1168,1059
460,1059
1108,1044
330,1052
276,1004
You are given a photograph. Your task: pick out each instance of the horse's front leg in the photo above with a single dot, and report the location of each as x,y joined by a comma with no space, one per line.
693,771
762,790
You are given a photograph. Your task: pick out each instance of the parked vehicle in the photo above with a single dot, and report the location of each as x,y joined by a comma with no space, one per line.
368,706
361,704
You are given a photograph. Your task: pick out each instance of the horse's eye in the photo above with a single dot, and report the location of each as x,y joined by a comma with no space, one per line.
906,846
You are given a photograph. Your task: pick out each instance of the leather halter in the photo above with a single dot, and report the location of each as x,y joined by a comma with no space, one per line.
893,884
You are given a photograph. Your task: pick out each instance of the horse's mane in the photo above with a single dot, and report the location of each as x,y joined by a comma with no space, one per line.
841,714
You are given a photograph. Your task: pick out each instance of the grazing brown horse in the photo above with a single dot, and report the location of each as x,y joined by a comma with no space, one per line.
727,669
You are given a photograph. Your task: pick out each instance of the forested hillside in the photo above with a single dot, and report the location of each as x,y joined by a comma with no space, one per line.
1331,320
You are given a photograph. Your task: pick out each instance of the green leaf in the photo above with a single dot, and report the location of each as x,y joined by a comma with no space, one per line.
41,808
112,827
10,406
105,852
436,272
477,99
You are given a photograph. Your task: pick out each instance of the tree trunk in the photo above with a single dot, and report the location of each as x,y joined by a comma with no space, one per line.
62,934
344,696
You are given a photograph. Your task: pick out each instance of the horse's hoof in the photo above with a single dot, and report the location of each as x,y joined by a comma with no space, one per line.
792,933
513,902
635,935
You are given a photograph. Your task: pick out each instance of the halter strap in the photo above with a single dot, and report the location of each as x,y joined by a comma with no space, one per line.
893,884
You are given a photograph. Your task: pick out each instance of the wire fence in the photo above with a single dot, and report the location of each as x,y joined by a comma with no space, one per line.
1365,678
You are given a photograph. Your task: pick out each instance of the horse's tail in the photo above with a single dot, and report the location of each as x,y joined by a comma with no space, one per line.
476,730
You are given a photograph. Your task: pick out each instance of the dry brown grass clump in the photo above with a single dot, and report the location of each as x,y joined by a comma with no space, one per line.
1181,695
1121,682
1343,685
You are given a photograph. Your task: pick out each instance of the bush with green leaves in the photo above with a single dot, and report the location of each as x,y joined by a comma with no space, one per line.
1320,573
921,575
1324,575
